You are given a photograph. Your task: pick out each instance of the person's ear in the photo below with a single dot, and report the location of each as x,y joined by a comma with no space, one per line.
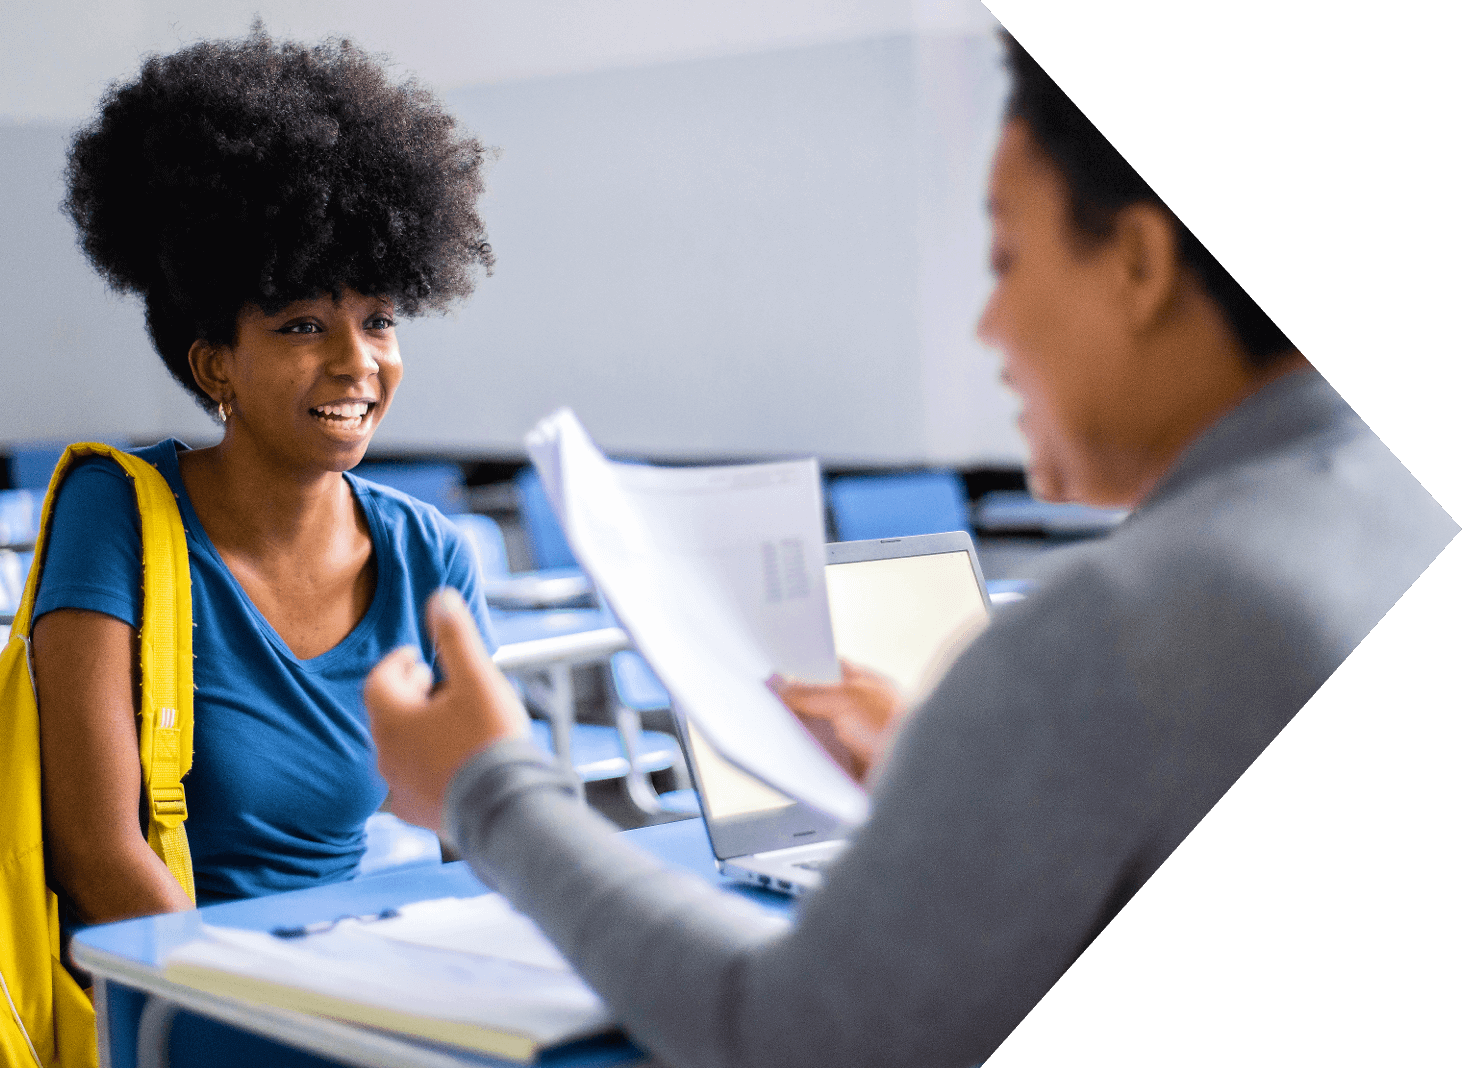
1149,262
206,362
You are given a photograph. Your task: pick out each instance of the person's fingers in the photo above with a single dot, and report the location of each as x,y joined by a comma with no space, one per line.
459,645
854,676
399,684
818,703
813,699
865,676
795,689
514,717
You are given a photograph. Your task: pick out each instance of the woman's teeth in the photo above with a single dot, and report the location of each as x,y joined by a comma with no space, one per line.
347,416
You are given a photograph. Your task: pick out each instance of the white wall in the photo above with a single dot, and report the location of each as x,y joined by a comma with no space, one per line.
60,55
759,234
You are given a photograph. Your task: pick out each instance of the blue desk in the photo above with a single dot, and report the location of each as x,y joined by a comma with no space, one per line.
126,960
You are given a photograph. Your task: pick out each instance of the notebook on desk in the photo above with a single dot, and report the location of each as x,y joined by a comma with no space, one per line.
468,973
900,606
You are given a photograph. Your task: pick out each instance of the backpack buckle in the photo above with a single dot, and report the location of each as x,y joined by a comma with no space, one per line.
169,801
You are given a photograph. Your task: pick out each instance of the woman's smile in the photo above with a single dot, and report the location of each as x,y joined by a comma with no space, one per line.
309,384
345,417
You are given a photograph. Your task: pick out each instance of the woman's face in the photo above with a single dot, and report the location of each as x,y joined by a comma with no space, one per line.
1053,317
309,385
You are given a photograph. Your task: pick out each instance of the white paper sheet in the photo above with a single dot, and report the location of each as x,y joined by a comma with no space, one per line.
717,574
484,926
361,964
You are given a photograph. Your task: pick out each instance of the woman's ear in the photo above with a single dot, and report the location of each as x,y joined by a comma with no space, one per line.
206,361
1150,263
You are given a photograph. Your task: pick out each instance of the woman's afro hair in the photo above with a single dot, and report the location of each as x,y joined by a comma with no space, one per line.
237,173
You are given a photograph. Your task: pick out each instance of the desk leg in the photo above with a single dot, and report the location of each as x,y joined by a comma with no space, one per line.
129,1023
561,698
637,783
552,692
154,1028
100,1000
118,1008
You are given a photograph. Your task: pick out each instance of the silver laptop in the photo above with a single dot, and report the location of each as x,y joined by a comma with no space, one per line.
901,606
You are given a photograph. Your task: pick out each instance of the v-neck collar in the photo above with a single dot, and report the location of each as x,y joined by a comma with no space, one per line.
385,576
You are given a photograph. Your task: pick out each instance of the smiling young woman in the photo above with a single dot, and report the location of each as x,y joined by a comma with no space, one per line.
277,208
303,390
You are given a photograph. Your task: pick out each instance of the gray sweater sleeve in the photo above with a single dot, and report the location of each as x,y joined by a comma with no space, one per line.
1014,816
1064,755
664,948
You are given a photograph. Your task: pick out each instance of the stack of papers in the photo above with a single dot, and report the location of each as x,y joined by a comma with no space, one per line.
717,575
468,972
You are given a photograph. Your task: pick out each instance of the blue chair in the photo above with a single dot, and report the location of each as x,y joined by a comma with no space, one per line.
898,505
13,569
486,539
19,519
20,516
553,588
33,462
532,605
545,536
596,752
641,691
438,484
552,554
1013,512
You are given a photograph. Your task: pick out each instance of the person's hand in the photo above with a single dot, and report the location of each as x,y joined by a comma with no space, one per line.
424,735
854,719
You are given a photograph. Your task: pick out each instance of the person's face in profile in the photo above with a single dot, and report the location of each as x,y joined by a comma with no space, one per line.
1053,317
311,383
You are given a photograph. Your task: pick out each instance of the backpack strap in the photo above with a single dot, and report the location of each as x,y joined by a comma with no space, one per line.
165,728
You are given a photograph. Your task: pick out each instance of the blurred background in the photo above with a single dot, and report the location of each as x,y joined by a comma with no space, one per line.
723,230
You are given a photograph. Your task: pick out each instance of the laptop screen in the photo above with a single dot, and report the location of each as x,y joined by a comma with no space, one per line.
899,615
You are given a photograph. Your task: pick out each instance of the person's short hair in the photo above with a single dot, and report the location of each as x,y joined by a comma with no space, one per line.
236,173
1100,183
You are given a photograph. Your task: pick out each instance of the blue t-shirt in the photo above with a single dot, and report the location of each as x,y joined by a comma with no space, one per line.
284,769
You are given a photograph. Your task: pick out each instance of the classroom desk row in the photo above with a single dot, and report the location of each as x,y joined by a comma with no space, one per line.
140,1013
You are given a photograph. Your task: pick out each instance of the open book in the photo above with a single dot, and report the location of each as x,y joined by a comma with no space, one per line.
466,972
717,575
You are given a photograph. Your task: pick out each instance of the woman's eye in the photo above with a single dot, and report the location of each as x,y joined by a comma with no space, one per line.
300,328
380,322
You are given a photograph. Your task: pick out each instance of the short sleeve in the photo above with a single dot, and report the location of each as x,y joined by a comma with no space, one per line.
93,558
462,575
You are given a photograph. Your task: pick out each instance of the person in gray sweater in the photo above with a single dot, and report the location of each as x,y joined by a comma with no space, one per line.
1067,750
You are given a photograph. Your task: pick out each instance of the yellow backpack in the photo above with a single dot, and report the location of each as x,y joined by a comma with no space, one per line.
48,1019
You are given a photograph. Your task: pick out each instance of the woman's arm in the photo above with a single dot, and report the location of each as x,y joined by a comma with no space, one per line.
87,686
1000,841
